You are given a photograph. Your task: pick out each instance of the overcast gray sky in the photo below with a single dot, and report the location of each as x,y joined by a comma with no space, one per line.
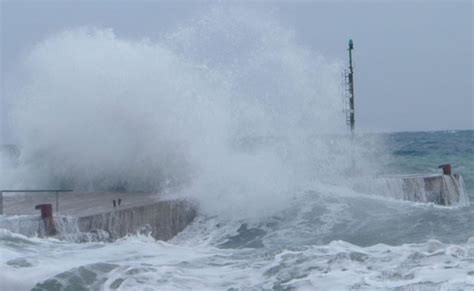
413,60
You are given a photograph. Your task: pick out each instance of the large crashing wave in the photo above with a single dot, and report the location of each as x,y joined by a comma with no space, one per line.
228,107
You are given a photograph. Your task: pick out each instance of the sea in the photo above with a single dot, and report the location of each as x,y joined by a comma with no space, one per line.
327,237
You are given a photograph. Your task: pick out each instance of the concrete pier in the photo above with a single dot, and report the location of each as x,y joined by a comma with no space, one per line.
445,190
98,216
163,220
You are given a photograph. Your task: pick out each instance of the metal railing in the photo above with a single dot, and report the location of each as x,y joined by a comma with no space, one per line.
56,191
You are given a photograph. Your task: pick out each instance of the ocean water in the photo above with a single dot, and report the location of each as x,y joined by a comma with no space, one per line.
327,237
233,111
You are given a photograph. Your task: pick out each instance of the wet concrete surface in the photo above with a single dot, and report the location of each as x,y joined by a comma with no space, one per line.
74,203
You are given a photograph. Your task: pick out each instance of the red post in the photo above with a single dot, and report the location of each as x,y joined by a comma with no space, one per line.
47,217
446,169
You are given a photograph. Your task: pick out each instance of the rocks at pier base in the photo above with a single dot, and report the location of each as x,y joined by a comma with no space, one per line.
446,190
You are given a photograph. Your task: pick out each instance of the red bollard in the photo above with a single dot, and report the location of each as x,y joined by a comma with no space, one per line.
446,169
47,217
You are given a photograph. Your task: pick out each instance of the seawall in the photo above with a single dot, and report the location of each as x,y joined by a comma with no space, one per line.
163,220
445,190
98,216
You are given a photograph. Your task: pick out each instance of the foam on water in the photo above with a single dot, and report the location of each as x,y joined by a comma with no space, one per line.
331,238
230,110
198,259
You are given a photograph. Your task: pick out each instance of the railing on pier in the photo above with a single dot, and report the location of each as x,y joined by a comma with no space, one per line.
56,191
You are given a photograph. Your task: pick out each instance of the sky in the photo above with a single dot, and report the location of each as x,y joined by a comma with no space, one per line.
413,59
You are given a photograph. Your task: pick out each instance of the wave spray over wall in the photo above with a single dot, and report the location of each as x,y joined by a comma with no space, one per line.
230,107
230,110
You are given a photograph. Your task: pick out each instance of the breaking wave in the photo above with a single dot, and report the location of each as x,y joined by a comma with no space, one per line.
232,111
229,109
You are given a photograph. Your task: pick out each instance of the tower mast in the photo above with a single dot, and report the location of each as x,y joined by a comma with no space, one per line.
350,81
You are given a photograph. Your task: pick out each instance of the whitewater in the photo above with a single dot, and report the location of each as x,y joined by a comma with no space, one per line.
230,111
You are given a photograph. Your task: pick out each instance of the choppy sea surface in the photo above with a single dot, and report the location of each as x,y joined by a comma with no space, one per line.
327,238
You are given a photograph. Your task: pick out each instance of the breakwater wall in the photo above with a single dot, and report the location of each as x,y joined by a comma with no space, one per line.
98,216
446,190
162,220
